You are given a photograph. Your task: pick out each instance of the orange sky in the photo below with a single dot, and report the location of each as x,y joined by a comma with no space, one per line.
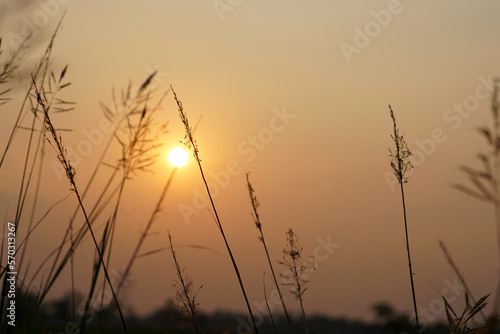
296,94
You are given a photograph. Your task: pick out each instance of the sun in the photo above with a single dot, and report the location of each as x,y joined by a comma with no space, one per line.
178,157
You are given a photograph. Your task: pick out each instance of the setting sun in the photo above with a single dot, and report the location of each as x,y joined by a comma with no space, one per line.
178,157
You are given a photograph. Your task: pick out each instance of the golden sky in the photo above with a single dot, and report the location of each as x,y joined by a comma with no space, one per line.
296,93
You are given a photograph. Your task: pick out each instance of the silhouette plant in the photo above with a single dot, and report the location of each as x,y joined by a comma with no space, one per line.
401,165
191,143
294,276
255,205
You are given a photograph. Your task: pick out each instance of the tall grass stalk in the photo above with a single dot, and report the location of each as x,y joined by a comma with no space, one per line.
401,165
70,174
191,143
255,205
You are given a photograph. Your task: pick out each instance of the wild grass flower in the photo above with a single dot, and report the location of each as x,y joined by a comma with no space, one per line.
190,142
184,293
401,165
296,270
255,205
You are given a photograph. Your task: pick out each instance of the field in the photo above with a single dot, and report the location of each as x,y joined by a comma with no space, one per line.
186,201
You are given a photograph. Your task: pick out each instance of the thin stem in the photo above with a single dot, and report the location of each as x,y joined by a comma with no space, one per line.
267,303
298,286
400,166
255,205
192,143
409,257
233,261
70,173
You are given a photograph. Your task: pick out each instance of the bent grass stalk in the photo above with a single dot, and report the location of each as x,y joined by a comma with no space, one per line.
70,173
401,166
255,205
191,143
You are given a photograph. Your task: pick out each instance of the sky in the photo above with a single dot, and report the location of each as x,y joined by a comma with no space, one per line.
297,94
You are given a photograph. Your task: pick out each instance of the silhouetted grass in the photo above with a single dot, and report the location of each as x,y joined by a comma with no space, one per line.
294,276
401,165
191,143
70,173
185,295
255,205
